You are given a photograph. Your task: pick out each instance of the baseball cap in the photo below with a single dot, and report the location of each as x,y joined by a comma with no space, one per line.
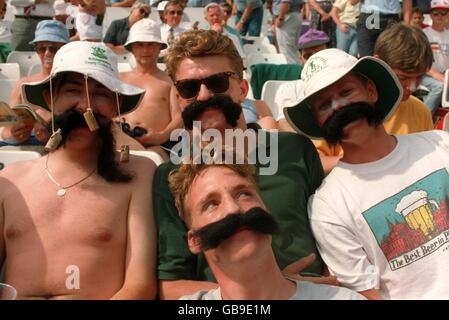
93,59
60,7
439,4
327,67
161,5
51,30
312,38
145,30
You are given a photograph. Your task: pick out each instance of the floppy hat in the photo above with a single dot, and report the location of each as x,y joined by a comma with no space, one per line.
312,38
327,67
144,30
439,4
51,30
88,58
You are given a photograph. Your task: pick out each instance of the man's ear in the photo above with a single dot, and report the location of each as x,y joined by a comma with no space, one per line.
244,88
372,91
193,242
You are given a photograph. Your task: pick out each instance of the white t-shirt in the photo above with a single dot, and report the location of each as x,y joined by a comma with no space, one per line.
385,224
87,28
439,41
304,291
287,95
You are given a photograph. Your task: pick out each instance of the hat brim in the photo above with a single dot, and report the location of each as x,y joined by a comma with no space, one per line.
128,44
131,96
388,87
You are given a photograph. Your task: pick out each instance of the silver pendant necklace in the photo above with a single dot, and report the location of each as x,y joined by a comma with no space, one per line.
63,189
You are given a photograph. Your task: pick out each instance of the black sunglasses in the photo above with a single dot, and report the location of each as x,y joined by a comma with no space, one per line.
217,83
144,12
43,48
178,12
436,12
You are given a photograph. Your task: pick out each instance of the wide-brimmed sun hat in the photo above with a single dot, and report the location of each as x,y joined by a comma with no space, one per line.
145,30
327,67
92,59
51,30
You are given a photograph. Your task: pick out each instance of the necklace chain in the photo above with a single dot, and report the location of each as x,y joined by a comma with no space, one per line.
62,191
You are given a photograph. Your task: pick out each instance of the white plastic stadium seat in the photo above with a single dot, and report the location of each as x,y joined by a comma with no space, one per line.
274,58
269,93
124,67
148,154
25,59
10,156
35,68
259,48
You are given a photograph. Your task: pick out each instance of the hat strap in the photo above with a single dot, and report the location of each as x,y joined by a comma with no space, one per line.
89,116
124,149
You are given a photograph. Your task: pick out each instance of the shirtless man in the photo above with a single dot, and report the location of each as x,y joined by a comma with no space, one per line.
77,224
155,118
49,37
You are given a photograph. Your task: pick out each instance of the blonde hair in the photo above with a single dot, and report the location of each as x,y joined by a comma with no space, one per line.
404,47
181,180
201,43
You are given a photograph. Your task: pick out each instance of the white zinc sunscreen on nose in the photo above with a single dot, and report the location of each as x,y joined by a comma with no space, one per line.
341,102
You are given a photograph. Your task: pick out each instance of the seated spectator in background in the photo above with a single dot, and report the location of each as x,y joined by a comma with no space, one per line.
62,15
118,31
288,94
50,36
123,4
248,18
5,33
80,197
381,216
438,37
89,20
208,74
258,112
345,14
406,50
172,27
229,222
155,117
213,13
418,18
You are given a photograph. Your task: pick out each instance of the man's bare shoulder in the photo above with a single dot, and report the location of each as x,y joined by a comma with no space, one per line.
142,167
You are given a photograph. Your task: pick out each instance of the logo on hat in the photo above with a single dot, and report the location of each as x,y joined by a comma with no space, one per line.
315,65
99,53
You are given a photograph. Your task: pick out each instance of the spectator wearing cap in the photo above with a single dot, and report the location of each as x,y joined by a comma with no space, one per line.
291,92
160,10
89,20
27,14
62,15
118,31
152,122
50,36
345,14
439,38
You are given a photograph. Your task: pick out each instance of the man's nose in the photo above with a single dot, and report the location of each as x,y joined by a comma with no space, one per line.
204,94
230,206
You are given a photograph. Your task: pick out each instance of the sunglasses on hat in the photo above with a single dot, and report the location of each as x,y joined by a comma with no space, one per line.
441,12
41,48
217,83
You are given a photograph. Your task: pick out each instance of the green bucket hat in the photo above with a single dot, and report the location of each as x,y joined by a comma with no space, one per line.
327,67
87,58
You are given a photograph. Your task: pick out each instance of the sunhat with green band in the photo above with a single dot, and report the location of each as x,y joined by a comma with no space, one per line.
327,67
93,60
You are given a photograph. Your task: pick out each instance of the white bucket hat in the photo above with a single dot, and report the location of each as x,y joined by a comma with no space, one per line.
144,30
88,58
327,67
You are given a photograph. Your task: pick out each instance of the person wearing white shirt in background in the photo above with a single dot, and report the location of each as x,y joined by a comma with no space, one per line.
27,14
214,15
